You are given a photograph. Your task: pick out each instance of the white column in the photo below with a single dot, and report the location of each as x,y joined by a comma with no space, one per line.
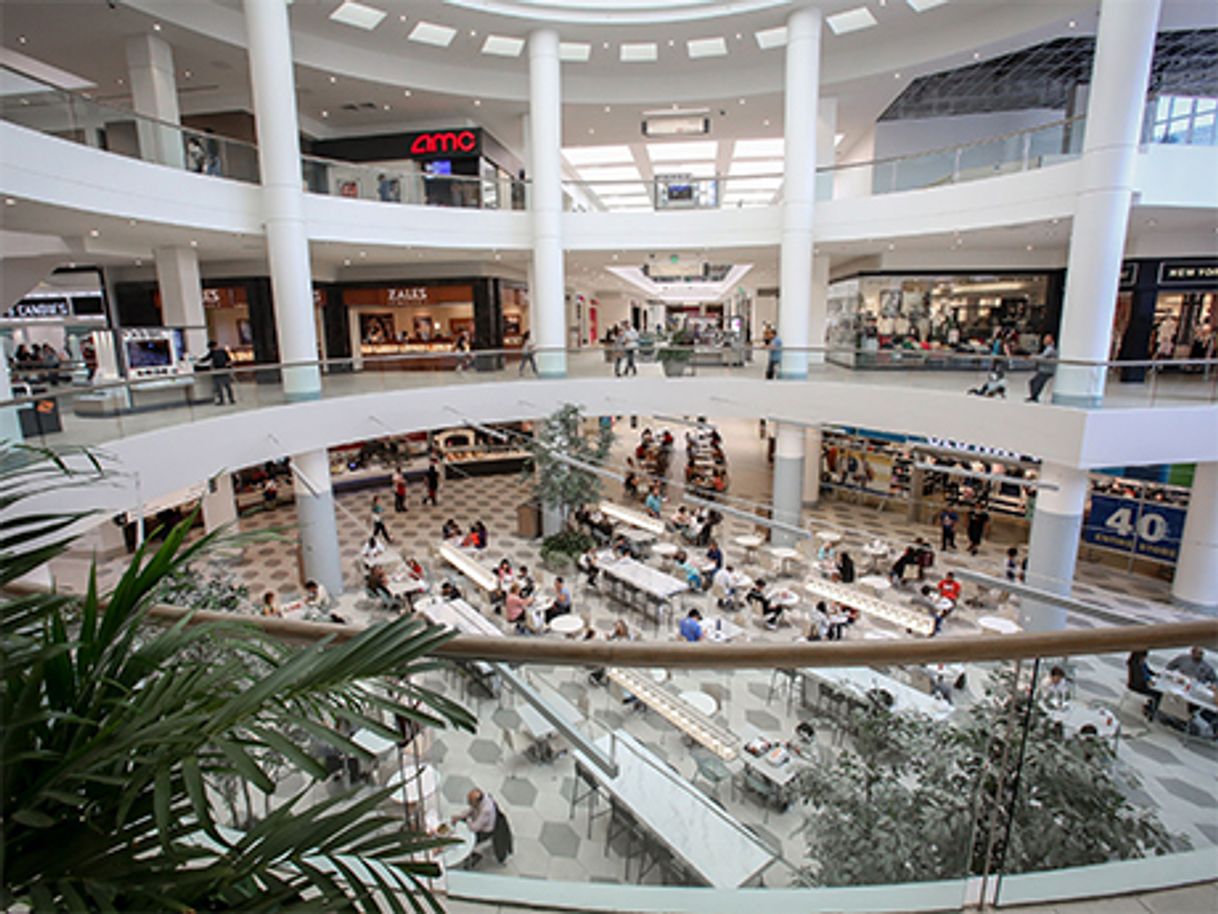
799,188
812,452
1196,582
177,276
545,141
154,94
274,90
818,318
319,555
787,503
219,503
1123,50
1057,522
10,422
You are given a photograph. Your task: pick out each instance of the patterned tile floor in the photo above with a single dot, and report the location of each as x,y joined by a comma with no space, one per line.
1177,774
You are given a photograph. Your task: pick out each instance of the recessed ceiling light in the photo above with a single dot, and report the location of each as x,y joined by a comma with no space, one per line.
473,33
359,15
402,18
1072,24
9,201
347,260
739,36
193,243
1055,221
766,122
132,221
891,246
333,80
498,256
671,42
187,74
976,55
850,21
502,46
325,114
1029,247
477,103
119,81
138,262
156,26
384,107
698,48
574,51
439,36
638,52
591,130
93,233
742,101
363,253
771,38
921,6
406,92
837,138
608,108
896,75
21,39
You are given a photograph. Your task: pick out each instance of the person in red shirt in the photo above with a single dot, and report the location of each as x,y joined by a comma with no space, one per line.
949,588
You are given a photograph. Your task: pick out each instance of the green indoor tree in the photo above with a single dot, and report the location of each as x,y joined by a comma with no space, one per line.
566,460
121,735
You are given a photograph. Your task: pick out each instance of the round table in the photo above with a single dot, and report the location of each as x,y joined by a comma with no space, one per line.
700,701
569,625
829,536
998,625
875,583
666,550
784,597
659,675
784,554
453,855
749,543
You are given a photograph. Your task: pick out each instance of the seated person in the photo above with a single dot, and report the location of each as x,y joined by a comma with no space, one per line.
818,628
515,608
371,552
1193,665
269,605
620,632
1055,690
482,534
757,594
600,526
714,557
680,520
926,599
481,815
623,548
1140,678
690,628
316,595
475,538
450,591
503,572
693,577
909,558
377,585
653,503
845,568
826,552
949,588
561,604
630,486
525,580
414,569
725,586
450,530
587,564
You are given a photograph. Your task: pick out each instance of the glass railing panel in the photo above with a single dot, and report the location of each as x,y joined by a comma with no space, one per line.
1117,763
399,184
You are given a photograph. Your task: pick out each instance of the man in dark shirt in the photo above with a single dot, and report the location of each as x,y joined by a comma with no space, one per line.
218,360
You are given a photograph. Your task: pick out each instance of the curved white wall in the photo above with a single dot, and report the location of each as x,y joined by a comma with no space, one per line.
172,458
73,177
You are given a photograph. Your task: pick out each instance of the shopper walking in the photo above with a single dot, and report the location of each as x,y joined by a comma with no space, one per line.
630,347
217,361
527,352
433,483
399,491
978,520
378,520
948,518
773,342
1044,369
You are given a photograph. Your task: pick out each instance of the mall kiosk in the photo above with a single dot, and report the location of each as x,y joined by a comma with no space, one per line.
150,355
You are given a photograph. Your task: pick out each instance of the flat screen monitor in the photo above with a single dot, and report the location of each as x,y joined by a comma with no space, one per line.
438,167
149,354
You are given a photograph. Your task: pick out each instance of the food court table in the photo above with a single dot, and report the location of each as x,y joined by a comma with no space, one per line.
716,847
477,573
859,681
1073,717
845,594
702,701
877,584
568,624
785,555
998,625
633,518
637,585
679,713
749,542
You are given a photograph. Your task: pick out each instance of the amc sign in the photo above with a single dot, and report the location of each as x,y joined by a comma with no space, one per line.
437,143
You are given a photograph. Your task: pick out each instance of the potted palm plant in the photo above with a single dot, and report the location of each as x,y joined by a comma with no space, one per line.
676,353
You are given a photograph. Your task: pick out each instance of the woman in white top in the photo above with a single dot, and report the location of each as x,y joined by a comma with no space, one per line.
371,552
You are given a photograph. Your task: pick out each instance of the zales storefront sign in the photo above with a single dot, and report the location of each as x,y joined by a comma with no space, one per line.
407,296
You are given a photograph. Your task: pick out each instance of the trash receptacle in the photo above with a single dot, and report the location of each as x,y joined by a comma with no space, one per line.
528,520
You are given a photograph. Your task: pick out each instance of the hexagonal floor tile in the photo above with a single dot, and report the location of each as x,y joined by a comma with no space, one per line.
518,791
560,839
507,719
485,752
455,787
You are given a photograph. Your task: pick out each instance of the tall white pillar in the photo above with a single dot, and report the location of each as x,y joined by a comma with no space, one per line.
177,276
1124,48
154,94
799,188
315,520
219,503
10,422
812,452
1195,585
788,497
548,318
818,316
274,90
1057,522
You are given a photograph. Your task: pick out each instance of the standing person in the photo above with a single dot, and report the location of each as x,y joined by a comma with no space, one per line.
433,483
399,491
528,352
1044,370
773,342
978,520
217,360
378,520
948,518
615,347
630,346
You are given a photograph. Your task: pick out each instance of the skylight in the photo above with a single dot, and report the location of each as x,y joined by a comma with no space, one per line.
771,38
440,36
744,185
611,173
574,51
921,6
502,46
694,169
597,155
851,21
758,149
706,47
358,14
682,152
638,52
756,167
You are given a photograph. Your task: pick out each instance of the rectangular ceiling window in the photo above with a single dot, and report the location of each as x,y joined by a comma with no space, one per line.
502,46
851,21
574,51
706,47
694,169
638,52
771,38
597,155
439,36
758,149
610,173
756,167
921,6
682,152
358,14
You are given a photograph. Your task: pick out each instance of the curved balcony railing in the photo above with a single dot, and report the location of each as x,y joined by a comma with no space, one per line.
77,117
890,773
66,406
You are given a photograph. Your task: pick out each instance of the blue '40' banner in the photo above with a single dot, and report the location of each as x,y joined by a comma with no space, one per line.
1128,525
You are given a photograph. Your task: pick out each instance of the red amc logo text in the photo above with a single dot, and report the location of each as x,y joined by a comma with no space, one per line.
426,144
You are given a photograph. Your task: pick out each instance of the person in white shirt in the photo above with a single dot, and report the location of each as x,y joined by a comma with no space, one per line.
371,552
316,595
726,585
1055,691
